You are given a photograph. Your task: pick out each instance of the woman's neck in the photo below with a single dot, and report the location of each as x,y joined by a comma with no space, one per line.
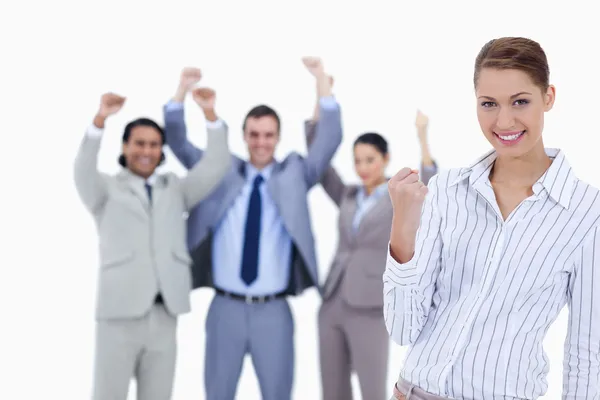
521,171
369,189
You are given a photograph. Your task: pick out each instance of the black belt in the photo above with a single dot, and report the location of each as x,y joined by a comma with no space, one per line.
251,299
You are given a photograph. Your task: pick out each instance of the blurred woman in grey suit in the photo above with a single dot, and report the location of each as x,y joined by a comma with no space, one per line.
352,333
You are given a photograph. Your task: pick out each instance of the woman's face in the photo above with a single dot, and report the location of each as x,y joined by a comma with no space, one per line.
510,110
370,164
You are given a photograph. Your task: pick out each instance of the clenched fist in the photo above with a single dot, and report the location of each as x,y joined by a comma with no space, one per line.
314,66
407,194
422,120
189,77
205,98
110,104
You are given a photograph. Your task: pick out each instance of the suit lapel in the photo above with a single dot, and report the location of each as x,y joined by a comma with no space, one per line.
136,187
274,185
158,190
348,211
372,213
233,189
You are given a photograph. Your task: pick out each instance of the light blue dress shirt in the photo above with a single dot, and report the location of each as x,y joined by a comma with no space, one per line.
275,249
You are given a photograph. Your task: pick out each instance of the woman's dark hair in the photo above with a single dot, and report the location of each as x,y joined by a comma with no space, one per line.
374,139
142,122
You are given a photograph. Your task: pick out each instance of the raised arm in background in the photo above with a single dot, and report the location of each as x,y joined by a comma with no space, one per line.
206,174
428,165
330,180
90,183
175,129
328,129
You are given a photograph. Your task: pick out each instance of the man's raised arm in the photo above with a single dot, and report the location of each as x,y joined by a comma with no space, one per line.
207,174
90,184
328,130
175,129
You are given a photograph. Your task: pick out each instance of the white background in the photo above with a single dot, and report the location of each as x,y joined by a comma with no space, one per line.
388,59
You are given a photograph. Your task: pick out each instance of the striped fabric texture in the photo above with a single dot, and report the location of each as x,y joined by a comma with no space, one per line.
477,298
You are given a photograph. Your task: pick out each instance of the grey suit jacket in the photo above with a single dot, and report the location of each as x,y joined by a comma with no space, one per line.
359,261
142,246
289,184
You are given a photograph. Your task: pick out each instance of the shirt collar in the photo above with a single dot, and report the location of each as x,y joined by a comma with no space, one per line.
151,180
379,191
252,172
558,180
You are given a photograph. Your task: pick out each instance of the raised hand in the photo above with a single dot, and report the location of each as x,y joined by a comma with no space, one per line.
314,66
407,194
189,77
422,120
110,103
205,98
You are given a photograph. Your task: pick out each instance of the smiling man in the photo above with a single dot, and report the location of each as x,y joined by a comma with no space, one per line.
144,277
252,241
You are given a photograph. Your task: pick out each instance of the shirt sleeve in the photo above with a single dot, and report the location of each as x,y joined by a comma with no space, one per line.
408,288
581,365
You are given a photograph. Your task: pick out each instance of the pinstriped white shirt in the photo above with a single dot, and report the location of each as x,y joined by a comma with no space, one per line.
476,300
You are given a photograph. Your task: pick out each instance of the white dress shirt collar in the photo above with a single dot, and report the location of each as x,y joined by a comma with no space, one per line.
558,180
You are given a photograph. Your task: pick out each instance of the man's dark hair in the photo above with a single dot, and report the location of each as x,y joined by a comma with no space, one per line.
142,122
262,111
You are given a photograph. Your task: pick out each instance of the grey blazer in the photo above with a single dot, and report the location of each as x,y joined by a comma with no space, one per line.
142,246
359,261
289,184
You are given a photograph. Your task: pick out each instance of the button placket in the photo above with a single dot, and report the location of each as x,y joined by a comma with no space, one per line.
493,266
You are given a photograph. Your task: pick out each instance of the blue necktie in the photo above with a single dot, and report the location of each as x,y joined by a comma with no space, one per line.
149,191
252,234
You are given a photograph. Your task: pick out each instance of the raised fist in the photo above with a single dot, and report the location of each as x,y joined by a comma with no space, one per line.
205,98
314,65
110,104
422,120
189,77
407,194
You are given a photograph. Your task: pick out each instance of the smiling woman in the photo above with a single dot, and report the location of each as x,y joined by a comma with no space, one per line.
513,92
503,245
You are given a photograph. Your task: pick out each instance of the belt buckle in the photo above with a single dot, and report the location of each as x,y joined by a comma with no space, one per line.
248,299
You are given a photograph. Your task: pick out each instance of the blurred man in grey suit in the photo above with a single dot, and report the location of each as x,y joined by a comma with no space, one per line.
144,277
251,240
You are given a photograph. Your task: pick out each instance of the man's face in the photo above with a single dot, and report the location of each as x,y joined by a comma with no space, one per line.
261,135
143,150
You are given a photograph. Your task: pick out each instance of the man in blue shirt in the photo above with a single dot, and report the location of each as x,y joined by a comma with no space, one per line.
252,241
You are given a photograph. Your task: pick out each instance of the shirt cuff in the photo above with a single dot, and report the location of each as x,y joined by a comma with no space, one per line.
328,102
173,106
218,124
94,131
404,274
